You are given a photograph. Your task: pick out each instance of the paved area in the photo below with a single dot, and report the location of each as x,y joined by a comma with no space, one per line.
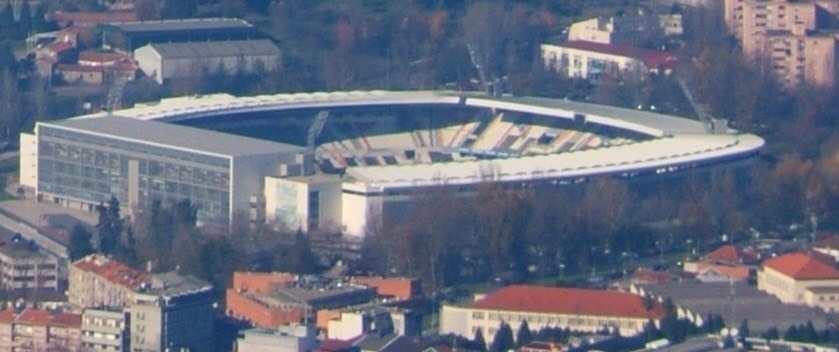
31,220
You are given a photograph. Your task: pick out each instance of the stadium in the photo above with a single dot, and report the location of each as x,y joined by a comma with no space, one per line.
335,161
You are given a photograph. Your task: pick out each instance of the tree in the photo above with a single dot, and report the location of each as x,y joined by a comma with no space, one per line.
503,340
479,341
524,335
109,226
80,243
25,20
772,334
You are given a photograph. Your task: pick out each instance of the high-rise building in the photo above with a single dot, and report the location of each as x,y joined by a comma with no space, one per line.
783,36
173,313
104,330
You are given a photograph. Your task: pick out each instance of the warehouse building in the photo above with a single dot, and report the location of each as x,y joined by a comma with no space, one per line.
163,61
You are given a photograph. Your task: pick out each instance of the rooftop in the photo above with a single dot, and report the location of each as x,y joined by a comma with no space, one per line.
172,284
112,271
559,300
207,49
180,25
763,311
801,266
651,58
93,17
41,317
731,254
171,135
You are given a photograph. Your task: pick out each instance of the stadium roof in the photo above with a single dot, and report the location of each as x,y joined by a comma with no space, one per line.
559,300
631,157
180,25
188,138
185,108
215,49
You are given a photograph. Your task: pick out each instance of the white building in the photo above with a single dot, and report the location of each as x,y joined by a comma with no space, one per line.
287,338
352,324
304,202
591,60
628,30
104,331
800,278
25,268
163,61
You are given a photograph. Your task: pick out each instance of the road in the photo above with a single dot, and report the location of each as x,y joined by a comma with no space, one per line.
45,243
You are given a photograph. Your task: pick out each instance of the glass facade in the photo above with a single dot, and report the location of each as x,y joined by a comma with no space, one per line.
92,168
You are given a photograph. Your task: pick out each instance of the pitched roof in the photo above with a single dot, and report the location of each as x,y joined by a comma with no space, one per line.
831,242
727,253
112,270
651,277
93,17
35,317
67,319
230,48
651,58
801,266
7,316
569,301
99,57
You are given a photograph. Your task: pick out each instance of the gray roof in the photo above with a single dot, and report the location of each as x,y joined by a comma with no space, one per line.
171,135
181,24
172,284
214,49
762,310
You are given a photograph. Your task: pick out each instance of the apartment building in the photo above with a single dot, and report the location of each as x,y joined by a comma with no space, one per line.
104,331
582,310
172,313
99,281
39,330
783,36
25,268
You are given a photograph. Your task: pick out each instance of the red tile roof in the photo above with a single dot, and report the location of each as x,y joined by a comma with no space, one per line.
112,270
67,319
651,58
58,47
7,316
569,301
801,266
727,253
34,317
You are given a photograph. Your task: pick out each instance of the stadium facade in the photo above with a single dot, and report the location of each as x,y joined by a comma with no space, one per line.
367,153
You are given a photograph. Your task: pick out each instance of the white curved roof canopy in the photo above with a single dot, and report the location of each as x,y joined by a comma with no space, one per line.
677,140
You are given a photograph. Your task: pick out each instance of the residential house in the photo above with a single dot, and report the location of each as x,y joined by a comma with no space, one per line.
98,281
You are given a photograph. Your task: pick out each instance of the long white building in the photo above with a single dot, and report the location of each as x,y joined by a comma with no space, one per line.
371,150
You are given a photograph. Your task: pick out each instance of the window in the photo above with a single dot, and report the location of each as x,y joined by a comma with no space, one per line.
478,315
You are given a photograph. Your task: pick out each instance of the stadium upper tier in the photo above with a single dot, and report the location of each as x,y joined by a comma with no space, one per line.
525,139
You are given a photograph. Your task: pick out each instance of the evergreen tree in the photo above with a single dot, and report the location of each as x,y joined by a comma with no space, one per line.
772,334
109,226
39,19
792,333
503,340
479,341
80,243
524,335
24,23
7,22
744,329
